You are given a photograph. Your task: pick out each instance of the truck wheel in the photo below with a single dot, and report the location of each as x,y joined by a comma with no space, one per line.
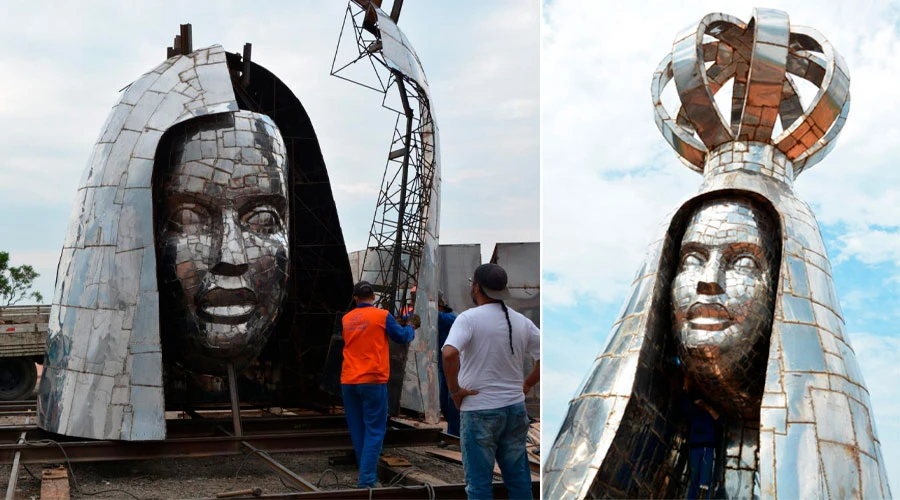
17,378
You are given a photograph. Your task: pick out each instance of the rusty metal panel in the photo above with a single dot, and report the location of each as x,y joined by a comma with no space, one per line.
23,340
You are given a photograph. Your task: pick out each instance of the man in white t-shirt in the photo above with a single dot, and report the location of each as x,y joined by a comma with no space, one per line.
483,359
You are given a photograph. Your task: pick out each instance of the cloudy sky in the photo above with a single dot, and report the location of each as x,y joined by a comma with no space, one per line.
609,179
65,63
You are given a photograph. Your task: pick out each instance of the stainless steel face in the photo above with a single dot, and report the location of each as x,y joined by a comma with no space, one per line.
222,244
722,300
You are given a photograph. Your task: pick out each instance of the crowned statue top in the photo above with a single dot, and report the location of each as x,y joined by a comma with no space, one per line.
763,56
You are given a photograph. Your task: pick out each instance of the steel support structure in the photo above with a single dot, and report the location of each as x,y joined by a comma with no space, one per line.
401,227
397,235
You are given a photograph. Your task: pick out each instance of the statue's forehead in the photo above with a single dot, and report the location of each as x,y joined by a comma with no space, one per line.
725,223
247,157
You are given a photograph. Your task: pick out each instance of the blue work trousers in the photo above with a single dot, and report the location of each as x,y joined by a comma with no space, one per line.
498,434
365,406
702,463
448,407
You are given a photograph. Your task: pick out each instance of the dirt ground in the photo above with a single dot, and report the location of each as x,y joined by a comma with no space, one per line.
203,478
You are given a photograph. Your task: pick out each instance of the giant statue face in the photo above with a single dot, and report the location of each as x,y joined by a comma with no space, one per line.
722,298
222,243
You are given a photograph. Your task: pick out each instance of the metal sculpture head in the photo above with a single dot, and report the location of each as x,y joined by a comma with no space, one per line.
723,296
762,57
221,238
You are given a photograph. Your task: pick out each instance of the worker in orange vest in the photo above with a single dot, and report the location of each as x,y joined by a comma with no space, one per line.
365,373
407,309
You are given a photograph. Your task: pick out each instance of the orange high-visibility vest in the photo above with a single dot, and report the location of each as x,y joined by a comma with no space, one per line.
366,351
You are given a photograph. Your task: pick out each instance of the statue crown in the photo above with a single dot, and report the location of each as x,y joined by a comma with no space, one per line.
762,57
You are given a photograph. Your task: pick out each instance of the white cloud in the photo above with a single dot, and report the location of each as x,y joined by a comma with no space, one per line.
870,246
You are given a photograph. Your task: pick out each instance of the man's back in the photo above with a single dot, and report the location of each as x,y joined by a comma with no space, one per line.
366,355
491,360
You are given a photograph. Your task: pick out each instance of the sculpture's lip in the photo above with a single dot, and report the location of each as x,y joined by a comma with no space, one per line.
220,305
708,317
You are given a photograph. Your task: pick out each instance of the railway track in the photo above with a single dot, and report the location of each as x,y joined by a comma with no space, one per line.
201,438
17,408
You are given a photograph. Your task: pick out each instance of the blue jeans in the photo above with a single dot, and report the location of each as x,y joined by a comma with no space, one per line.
500,435
365,406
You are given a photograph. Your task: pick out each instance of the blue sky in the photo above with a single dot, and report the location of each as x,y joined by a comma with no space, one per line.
609,180
67,62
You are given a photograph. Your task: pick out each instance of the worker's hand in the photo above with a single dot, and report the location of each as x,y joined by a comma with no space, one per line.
526,387
402,322
415,321
461,394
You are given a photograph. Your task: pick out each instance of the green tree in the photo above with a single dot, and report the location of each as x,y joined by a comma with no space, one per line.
16,282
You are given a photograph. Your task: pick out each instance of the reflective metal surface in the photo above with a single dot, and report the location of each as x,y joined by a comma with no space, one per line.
222,242
188,173
402,250
103,370
722,300
811,434
762,57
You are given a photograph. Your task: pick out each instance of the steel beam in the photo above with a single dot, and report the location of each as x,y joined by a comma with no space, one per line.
209,426
44,447
409,492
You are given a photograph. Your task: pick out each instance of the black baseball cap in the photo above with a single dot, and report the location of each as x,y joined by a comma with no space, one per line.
363,289
492,279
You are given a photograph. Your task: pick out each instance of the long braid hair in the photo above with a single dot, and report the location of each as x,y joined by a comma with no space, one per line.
508,323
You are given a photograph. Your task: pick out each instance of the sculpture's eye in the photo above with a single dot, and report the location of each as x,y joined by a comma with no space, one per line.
692,260
262,220
187,219
744,264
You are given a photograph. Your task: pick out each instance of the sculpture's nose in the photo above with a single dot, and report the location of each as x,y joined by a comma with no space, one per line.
231,259
709,288
710,282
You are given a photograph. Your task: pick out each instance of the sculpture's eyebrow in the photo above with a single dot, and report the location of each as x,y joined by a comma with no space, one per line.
177,198
694,246
250,201
739,247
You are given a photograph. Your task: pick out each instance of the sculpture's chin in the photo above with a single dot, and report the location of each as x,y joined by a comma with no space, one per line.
216,345
723,367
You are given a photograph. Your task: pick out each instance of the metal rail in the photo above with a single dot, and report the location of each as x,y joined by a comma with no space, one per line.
14,470
407,492
209,426
17,408
45,447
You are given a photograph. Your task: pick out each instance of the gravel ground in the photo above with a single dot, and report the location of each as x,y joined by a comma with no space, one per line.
204,477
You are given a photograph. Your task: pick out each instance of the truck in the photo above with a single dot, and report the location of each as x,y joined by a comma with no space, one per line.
23,342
